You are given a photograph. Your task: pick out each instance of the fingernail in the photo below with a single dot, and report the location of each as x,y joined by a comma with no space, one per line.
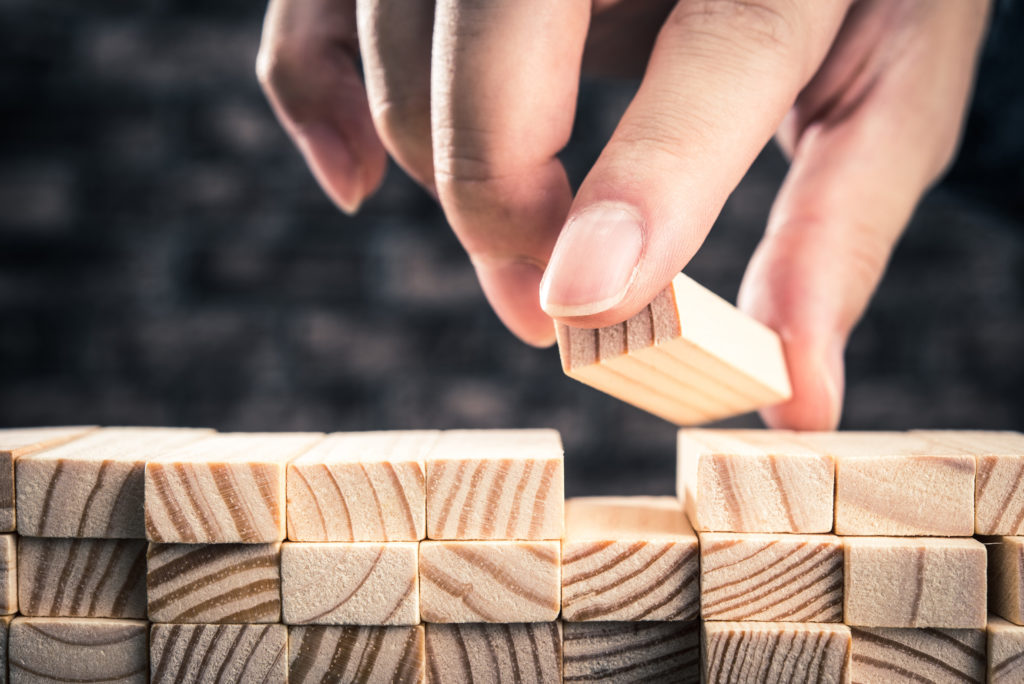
594,261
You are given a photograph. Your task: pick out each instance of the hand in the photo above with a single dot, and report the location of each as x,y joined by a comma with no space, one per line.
475,99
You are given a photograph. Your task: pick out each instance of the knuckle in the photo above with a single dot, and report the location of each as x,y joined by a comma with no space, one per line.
757,23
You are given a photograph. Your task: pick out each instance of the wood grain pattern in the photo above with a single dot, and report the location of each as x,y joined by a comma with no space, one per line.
92,486
78,650
489,581
894,656
495,484
914,582
82,577
754,481
214,583
355,654
223,489
493,653
1006,577
1005,657
8,574
350,583
628,558
360,486
220,654
778,652
771,577
616,652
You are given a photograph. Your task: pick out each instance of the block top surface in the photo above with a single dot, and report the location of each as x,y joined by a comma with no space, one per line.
537,444
746,443
122,444
998,625
18,441
252,447
619,518
881,445
917,543
713,627
978,442
394,446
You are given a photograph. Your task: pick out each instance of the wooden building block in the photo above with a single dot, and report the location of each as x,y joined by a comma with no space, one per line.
82,577
628,558
495,484
67,649
222,489
225,654
92,486
899,484
1005,651
689,357
754,481
1006,577
895,656
615,652
355,654
771,577
914,582
489,581
8,574
494,653
350,583
360,486
756,652
214,583
5,628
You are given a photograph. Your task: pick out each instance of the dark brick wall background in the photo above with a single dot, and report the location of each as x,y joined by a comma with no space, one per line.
166,259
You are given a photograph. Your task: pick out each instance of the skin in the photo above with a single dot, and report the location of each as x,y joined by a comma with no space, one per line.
475,98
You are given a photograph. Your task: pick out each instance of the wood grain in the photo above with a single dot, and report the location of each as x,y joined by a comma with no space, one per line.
214,583
771,577
615,652
78,650
1005,657
894,656
493,653
355,654
82,577
628,558
489,581
8,574
223,489
225,654
495,484
778,652
1006,577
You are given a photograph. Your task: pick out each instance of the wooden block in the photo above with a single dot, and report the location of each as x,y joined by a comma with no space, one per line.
754,481
82,577
8,574
355,654
92,486
489,581
890,656
67,649
755,652
194,654
771,577
1006,577
899,484
614,652
914,582
214,583
1005,664
628,558
494,653
689,357
495,484
360,486
350,583
193,495
5,628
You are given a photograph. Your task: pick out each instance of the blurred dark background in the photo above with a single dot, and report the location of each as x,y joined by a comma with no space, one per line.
166,259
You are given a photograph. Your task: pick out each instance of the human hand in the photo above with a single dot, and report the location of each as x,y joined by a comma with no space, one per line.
475,99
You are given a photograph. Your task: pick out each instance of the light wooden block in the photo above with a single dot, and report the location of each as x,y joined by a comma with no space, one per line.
628,558
67,649
754,481
1006,577
225,654
82,577
894,656
758,652
92,486
214,583
8,574
899,484
771,577
689,357
489,581
222,489
360,486
914,582
1005,662
494,653
615,652
355,654
350,583
495,484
